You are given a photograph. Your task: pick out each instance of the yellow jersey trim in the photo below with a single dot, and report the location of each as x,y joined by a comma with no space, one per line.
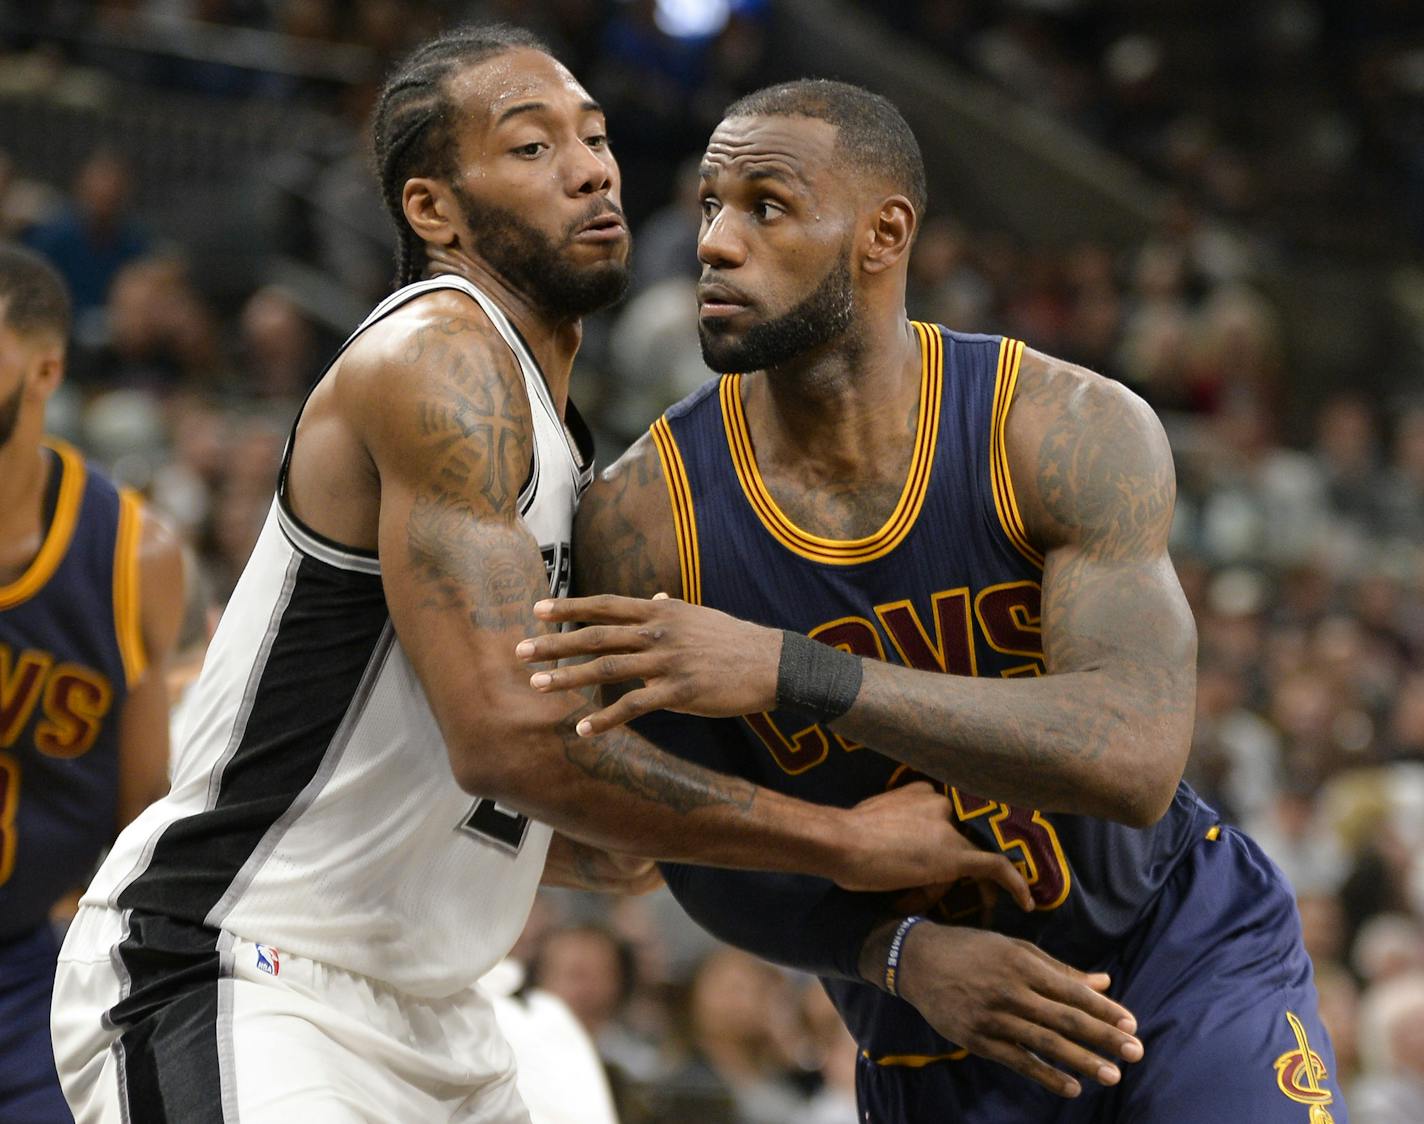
845,552
61,528
684,519
128,626
916,1061
1005,504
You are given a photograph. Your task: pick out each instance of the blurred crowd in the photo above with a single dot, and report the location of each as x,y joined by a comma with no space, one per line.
1300,545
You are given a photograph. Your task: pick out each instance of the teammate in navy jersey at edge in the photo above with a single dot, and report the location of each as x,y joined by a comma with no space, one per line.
977,536
91,594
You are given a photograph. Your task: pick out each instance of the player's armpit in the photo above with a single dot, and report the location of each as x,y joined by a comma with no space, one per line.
624,538
1008,1001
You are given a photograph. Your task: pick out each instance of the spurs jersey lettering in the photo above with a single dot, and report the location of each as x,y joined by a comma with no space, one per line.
313,807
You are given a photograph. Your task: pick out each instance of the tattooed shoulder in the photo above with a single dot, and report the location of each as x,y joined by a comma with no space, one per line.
624,538
1089,460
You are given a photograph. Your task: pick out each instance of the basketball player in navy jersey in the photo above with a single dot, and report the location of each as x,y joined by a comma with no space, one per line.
364,788
948,554
91,592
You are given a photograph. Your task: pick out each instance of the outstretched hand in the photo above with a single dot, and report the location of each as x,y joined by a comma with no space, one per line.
691,659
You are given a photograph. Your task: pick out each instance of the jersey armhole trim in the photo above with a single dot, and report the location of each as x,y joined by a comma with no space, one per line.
684,519
1000,481
128,625
61,530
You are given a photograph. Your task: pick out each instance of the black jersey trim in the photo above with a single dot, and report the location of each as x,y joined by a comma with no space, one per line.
313,676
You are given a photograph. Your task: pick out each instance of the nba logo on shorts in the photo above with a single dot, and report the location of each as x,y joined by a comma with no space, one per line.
267,959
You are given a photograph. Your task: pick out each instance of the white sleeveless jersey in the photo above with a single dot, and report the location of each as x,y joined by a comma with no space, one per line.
313,807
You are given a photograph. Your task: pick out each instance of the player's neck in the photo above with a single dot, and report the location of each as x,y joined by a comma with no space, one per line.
23,471
553,341
851,405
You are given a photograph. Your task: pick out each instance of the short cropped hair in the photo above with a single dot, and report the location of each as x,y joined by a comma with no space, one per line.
871,133
33,297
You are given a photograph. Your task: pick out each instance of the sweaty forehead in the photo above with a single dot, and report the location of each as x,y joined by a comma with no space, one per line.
799,149
485,90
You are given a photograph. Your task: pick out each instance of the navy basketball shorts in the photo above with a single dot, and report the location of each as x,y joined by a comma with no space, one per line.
29,1086
1224,996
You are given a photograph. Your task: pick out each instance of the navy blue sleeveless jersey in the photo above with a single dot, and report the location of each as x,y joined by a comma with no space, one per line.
70,648
949,583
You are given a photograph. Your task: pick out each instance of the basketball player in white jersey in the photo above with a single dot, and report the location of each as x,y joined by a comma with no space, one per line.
365,785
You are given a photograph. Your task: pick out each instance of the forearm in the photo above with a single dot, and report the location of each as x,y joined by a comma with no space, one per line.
619,791
1072,742
800,922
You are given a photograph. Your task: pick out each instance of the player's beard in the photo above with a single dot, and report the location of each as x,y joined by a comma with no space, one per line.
535,264
820,317
10,414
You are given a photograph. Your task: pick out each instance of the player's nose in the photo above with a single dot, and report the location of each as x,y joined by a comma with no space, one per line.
590,173
719,246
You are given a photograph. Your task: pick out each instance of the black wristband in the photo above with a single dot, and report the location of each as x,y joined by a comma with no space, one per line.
816,679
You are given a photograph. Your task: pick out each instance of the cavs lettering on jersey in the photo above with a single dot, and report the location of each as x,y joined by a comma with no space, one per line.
313,808
950,583
70,648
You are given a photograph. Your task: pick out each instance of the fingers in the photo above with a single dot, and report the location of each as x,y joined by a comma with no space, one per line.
1084,991
590,641
1053,1047
629,707
1015,1057
604,608
989,867
593,673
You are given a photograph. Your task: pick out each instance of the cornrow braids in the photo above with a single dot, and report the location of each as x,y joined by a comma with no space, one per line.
413,122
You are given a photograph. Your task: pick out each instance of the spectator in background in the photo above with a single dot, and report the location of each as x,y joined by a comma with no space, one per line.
1392,1047
831,1054
744,1035
278,344
1402,498
589,969
23,202
93,237
162,336
1404,732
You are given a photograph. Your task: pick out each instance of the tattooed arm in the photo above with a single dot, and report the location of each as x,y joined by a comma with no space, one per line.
1105,733
438,401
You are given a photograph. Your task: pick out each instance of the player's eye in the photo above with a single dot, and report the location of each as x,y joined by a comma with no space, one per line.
532,149
710,207
765,209
598,140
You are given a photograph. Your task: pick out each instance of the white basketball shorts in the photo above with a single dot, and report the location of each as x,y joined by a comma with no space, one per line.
254,1033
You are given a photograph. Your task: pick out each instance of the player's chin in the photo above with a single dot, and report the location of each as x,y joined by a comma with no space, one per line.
721,345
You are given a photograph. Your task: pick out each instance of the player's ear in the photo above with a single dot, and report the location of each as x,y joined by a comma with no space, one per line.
892,229
430,209
48,370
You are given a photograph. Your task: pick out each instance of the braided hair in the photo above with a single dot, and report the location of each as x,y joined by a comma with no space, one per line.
413,123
